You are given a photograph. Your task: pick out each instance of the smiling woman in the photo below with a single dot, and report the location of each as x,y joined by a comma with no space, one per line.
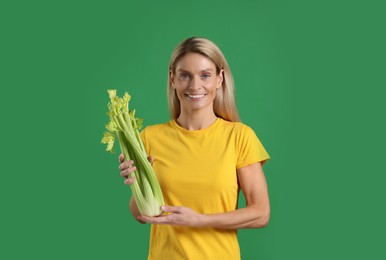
195,83
203,157
209,54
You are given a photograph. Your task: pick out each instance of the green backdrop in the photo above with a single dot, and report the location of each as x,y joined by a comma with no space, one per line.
310,79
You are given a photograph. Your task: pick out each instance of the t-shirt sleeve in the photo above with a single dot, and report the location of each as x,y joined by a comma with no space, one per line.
250,149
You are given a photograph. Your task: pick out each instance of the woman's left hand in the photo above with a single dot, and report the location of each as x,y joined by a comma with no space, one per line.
177,216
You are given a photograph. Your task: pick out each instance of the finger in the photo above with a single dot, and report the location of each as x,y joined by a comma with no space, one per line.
125,173
173,209
146,219
156,220
121,158
150,159
126,165
129,181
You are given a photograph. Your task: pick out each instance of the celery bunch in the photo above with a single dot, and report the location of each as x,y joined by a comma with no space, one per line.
123,124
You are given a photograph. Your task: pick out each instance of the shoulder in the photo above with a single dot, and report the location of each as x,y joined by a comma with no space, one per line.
237,128
242,135
156,128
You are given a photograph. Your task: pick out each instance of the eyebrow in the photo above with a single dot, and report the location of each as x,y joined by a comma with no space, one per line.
182,70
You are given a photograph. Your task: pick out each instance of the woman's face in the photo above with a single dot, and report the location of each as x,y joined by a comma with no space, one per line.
196,81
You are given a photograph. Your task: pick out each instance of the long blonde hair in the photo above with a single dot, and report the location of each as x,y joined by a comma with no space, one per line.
224,104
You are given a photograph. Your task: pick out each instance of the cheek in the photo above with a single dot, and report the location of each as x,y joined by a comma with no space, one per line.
179,93
213,88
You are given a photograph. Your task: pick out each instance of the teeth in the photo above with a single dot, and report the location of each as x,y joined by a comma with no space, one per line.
196,96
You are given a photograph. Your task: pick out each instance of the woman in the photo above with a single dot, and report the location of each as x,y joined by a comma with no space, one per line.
203,157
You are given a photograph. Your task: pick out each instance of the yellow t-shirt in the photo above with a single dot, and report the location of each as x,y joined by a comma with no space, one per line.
197,169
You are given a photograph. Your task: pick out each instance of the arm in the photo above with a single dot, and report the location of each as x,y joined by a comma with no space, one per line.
257,211
255,215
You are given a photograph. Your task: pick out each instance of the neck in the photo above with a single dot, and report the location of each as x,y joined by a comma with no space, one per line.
196,120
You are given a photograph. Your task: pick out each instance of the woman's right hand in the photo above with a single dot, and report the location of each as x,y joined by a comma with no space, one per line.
126,169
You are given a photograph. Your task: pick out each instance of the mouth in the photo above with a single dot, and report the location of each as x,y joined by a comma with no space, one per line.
196,96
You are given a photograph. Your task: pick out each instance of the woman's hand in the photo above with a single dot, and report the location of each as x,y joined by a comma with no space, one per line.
254,215
127,168
178,216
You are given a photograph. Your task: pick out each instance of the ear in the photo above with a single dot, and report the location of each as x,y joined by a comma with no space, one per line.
171,77
220,78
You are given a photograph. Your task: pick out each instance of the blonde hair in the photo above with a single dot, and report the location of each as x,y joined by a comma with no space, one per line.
224,104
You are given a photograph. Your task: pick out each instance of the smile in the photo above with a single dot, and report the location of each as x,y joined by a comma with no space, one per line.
196,96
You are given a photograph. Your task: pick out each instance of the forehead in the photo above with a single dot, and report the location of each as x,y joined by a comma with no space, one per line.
195,62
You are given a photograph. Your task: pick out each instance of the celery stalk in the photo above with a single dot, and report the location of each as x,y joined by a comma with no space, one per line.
146,190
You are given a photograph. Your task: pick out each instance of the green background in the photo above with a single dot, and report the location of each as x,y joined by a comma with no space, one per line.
310,79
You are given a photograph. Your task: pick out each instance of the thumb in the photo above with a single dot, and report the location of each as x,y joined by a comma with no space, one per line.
121,158
171,209
150,159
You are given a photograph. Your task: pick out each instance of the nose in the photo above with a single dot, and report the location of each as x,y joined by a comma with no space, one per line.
195,83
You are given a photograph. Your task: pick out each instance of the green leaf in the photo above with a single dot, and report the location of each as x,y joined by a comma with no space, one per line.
109,139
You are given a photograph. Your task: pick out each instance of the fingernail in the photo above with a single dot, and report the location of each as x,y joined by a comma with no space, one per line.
163,208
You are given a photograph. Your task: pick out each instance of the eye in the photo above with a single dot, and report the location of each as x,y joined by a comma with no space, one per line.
205,76
184,76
